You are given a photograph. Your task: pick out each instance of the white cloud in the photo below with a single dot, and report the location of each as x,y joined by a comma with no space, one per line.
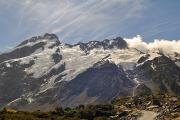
167,46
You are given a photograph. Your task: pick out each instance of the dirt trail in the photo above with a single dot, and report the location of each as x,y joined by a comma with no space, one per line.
148,115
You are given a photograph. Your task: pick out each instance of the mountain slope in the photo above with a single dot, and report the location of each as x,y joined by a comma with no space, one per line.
98,84
162,72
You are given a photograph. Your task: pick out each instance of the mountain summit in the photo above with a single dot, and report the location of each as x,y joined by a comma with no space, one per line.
42,72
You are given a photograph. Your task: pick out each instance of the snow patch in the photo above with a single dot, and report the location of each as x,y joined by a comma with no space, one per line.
8,65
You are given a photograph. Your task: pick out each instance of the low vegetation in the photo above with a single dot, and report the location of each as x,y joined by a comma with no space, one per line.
124,108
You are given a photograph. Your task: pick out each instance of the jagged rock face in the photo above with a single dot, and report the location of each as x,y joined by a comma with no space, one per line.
99,84
105,44
162,72
12,82
42,72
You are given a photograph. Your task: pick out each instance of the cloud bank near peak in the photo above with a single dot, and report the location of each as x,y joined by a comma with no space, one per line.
167,46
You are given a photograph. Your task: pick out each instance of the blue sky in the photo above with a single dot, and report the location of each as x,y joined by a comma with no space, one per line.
84,20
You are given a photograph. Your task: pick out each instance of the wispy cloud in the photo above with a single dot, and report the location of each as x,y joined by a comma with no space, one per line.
73,19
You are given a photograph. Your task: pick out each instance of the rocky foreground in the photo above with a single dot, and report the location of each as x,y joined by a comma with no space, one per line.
160,107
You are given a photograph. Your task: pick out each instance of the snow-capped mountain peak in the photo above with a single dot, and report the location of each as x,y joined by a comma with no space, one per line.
42,70
117,43
44,38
